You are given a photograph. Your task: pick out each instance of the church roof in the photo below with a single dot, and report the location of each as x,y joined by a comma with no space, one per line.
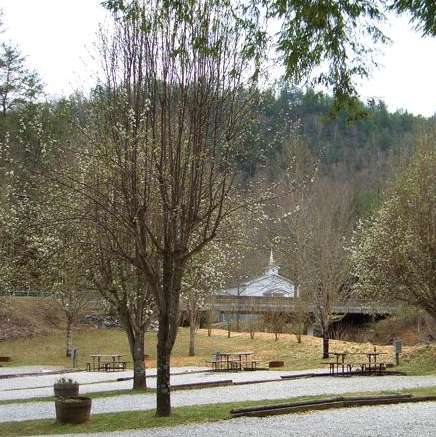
268,284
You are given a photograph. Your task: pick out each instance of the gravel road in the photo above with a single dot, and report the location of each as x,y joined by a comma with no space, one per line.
42,386
43,380
268,390
403,420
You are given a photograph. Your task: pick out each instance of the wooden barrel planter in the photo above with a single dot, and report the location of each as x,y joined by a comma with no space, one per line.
63,390
273,364
73,410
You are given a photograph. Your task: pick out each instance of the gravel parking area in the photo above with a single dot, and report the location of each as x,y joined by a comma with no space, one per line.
388,421
42,386
28,383
269,390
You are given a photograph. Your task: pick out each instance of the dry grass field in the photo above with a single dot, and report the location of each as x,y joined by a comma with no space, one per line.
49,349
42,342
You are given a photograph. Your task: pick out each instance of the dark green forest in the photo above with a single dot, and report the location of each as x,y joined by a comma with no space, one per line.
279,115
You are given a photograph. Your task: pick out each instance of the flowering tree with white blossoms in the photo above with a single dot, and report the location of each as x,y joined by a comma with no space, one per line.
67,274
205,273
394,253
24,154
123,286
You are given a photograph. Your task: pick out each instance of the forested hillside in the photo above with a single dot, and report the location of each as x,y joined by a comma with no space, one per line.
336,139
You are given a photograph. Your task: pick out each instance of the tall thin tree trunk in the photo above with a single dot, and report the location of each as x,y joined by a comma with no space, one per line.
209,323
192,333
136,345
163,399
325,344
69,338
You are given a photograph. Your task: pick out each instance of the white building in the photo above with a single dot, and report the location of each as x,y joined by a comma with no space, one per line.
267,285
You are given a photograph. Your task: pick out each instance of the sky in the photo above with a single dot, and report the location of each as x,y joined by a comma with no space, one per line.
57,38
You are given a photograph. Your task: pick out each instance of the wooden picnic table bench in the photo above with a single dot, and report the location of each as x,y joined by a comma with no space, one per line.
372,366
341,367
222,361
102,362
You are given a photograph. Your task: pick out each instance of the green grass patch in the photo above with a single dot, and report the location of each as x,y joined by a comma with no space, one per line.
182,415
422,361
92,395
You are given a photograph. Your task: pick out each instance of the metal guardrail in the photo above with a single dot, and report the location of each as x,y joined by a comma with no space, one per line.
246,304
259,304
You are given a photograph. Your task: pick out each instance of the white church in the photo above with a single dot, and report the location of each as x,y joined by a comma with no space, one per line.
270,284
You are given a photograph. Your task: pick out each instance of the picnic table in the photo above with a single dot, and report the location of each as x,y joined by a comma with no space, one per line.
340,363
372,365
340,366
113,364
224,361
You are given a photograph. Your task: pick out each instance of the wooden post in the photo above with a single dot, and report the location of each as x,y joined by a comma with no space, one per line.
397,348
237,312
229,324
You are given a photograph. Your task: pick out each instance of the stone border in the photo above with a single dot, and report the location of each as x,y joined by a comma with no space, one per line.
51,372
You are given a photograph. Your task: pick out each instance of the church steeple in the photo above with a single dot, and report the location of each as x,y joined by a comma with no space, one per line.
272,269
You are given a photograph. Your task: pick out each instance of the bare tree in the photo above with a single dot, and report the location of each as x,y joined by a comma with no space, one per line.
157,152
321,225
276,318
300,316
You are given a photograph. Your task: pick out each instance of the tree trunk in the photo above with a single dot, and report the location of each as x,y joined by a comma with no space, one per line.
168,323
139,378
209,318
325,344
300,329
69,338
191,334
252,328
163,400
209,324
136,345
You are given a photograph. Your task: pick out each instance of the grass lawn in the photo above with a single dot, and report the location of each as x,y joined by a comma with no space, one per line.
182,415
49,349
420,360
95,395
